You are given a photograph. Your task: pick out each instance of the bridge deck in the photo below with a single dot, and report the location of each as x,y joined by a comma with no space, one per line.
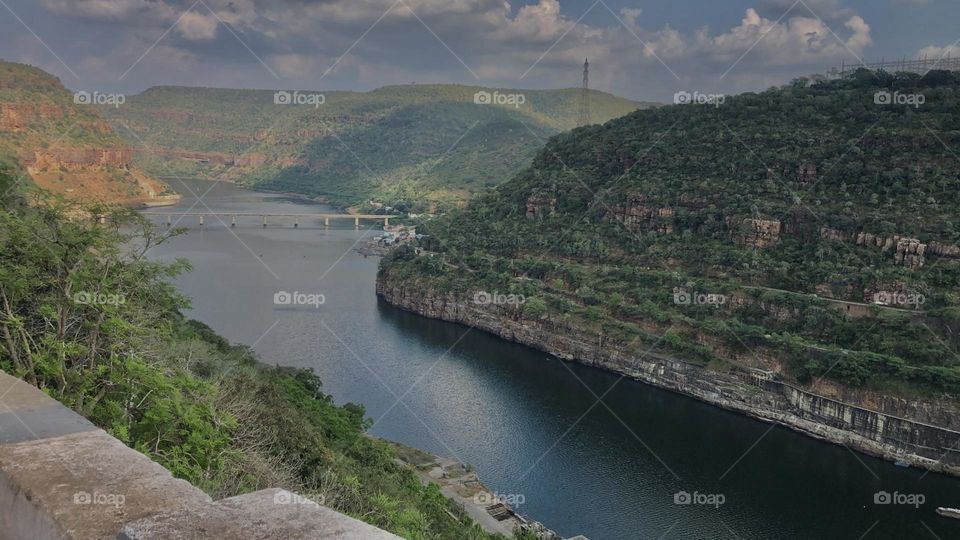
269,214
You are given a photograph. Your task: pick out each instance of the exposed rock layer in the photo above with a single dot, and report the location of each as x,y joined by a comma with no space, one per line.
923,432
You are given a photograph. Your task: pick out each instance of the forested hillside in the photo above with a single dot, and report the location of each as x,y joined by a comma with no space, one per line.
91,321
810,231
411,147
65,147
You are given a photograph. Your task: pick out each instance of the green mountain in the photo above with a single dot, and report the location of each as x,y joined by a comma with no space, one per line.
812,231
411,147
57,140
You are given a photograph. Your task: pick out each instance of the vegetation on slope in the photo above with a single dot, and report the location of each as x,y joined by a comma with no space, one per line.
88,319
62,146
768,202
415,147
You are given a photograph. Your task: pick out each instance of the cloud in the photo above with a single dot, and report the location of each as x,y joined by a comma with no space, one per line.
97,9
111,10
196,26
936,52
428,40
798,40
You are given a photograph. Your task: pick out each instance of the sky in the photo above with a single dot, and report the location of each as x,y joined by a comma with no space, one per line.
640,49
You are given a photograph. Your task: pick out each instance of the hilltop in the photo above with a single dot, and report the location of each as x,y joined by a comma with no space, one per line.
810,233
65,147
412,147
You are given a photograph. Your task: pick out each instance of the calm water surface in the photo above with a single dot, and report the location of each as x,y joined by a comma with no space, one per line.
529,424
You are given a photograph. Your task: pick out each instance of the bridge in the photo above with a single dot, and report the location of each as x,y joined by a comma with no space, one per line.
222,216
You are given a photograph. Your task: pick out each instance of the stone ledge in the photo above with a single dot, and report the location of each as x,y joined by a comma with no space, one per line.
262,515
283,512
87,484
63,478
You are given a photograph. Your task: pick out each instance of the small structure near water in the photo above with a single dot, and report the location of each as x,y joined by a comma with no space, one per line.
391,238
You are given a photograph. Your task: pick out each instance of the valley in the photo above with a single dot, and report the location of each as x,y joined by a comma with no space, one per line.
415,148
779,271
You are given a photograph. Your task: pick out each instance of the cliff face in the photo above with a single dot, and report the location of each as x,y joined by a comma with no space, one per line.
66,148
917,430
80,159
758,233
638,213
17,117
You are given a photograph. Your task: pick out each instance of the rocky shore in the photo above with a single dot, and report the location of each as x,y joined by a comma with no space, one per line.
458,482
922,432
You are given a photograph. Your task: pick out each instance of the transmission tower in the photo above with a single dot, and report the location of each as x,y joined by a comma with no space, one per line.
584,119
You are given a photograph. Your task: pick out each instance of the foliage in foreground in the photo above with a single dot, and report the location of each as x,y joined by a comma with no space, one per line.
87,318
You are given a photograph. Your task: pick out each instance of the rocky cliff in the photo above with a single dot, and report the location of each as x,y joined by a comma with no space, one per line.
924,432
638,213
66,148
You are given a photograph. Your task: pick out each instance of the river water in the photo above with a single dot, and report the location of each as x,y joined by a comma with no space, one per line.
530,425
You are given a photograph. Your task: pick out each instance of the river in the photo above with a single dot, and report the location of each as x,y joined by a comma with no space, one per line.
529,424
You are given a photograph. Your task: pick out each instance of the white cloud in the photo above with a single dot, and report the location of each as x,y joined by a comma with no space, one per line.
934,51
496,40
196,26
798,40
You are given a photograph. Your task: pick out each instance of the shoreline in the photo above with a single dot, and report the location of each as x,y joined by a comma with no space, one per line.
878,434
460,483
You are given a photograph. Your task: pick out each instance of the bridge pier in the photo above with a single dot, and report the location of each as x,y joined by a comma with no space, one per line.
296,222
326,222
201,221
264,221
233,222
168,221
356,223
386,222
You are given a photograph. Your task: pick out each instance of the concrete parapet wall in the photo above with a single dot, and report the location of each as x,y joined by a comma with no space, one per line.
63,478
